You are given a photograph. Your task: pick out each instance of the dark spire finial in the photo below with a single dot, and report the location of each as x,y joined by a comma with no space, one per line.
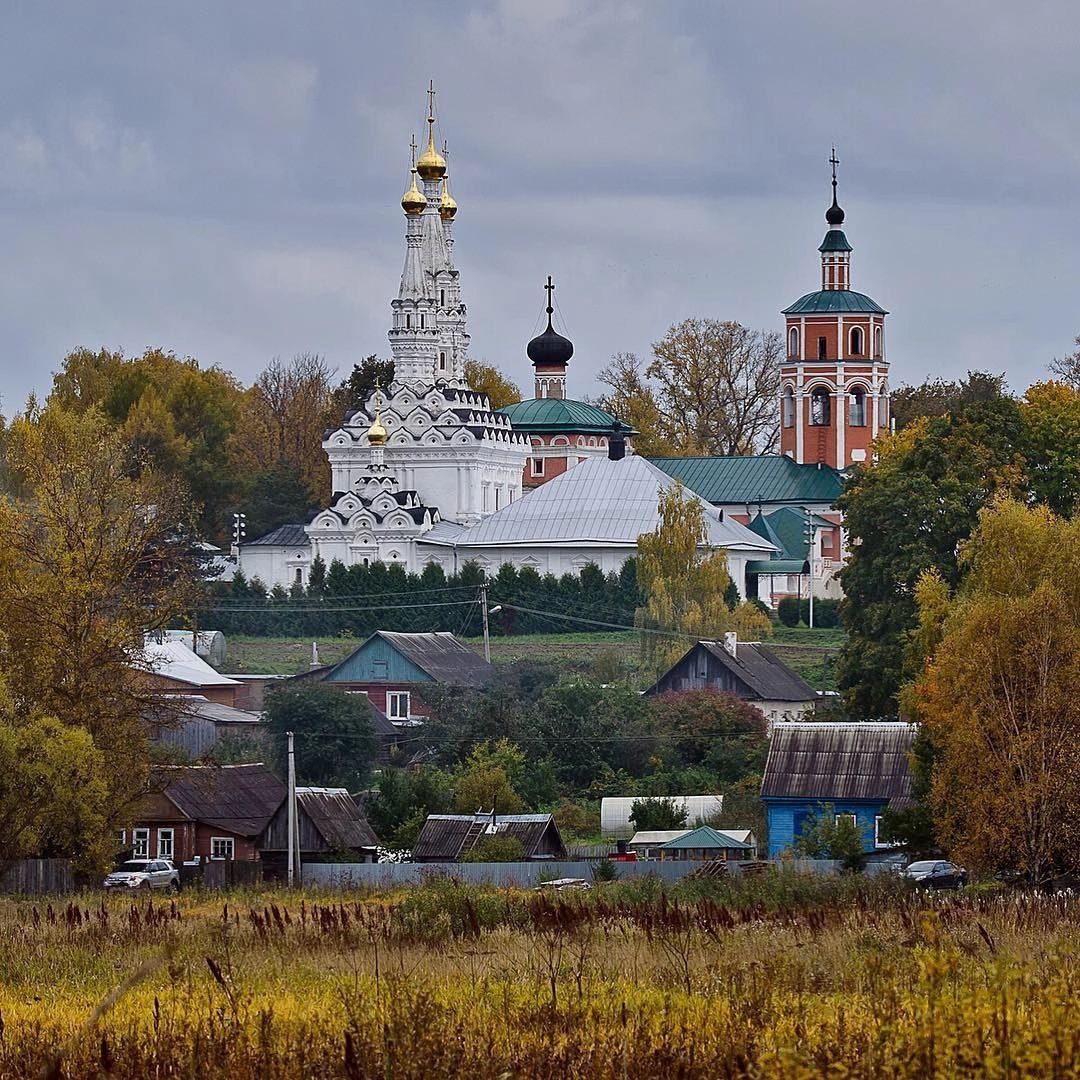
549,288
834,215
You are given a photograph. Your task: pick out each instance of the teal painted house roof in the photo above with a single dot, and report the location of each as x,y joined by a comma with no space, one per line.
766,478
412,658
559,415
705,836
828,301
788,525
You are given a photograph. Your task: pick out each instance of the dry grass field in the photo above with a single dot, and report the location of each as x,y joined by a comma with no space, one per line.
786,978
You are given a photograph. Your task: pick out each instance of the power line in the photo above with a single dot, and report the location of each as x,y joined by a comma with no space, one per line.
275,610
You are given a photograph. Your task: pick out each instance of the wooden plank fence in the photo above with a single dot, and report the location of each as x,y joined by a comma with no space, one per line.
38,876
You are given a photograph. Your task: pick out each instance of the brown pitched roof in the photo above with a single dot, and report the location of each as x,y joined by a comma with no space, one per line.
836,761
337,817
239,799
758,667
441,656
443,835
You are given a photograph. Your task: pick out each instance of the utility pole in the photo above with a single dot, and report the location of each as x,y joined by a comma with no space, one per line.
809,530
292,811
484,611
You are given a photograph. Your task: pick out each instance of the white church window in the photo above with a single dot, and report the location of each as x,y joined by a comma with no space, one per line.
789,408
536,466
793,341
820,407
856,341
408,322
877,342
883,408
857,408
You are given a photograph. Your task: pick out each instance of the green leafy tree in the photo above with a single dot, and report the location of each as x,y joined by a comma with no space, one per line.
717,731
334,742
941,472
651,815
489,380
369,373
941,397
495,848
276,496
828,835
1050,413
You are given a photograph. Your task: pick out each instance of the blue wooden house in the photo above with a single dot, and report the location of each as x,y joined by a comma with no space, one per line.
857,769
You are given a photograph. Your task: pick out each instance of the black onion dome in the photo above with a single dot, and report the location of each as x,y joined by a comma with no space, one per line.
550,348
834,215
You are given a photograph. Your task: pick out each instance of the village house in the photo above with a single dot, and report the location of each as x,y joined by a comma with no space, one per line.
195,725
209,812
172,668
391,670
329,826
749,670
647,844
857,769
450,837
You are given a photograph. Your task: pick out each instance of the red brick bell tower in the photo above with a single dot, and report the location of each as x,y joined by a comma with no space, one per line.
834,390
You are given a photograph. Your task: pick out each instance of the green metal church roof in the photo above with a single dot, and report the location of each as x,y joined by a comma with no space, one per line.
835,240
767,478
559,414
828,301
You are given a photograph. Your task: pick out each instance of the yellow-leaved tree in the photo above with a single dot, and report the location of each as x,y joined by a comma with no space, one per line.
687,590
94,552
1000,697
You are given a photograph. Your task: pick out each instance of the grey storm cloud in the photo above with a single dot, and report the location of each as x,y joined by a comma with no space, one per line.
223,180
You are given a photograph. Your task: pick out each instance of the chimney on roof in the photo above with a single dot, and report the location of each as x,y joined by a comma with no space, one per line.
314,657
616,443
731,643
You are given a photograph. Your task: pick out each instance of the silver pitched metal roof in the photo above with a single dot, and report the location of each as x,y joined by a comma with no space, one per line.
599,501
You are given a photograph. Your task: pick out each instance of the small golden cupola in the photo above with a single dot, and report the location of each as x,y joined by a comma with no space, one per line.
432,165
377,434
447,205
413,202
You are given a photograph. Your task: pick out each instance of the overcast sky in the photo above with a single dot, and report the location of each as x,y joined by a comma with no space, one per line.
222,179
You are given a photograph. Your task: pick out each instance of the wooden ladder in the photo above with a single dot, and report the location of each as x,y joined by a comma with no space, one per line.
476,830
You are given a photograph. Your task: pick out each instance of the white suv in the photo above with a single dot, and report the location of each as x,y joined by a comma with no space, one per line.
144,874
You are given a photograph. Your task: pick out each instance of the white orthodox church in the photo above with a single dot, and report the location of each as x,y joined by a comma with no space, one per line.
427,472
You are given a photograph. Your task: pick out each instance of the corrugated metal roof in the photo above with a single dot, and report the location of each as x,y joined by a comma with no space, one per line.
559,414
836,761
174,660
443,835
337,817
827,301
756,665
282,536
240,799
599,501
197,705
764,478
657,836
442,656
705,836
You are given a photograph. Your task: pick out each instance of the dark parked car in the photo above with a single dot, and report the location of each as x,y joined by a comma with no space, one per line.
937,874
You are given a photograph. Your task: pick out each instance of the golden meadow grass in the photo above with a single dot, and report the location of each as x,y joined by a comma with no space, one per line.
448,981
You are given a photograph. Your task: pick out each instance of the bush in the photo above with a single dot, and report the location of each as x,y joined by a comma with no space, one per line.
605,870
826,613
496,848
787,611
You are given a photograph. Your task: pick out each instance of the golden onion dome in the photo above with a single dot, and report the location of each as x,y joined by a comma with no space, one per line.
376,434
432,165
447,206
413,201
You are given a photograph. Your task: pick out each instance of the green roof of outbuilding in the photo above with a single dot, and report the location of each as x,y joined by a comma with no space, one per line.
559,414
766,478
705,836
828,301
776,566
788,528
835,240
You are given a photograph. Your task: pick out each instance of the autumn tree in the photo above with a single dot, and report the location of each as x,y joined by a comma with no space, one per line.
1000,698
1050,413
684,586
178,415
93,554
491,381
281,425
1067,368
721,381
907,512
486,780
632,399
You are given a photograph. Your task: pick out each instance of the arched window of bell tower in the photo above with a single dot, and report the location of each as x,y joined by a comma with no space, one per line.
856,341
788,408
793,342
820,407
877,342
